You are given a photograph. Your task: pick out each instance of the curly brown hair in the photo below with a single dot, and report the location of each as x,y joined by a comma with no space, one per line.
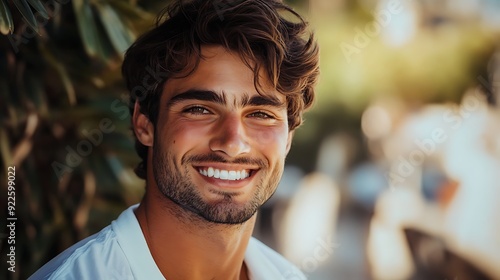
258,30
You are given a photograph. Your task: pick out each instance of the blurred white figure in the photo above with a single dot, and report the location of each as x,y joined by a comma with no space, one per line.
387,249
465,139
417,138
307,231
472,158
414,139
389,257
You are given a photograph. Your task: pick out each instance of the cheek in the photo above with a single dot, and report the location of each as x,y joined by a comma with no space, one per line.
271,140
184,134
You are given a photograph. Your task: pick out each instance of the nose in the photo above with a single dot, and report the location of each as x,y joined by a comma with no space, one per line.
230,137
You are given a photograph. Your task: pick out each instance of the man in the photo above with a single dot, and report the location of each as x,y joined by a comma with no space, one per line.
232,80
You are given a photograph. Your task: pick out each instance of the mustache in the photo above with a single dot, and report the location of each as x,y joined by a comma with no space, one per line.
218,158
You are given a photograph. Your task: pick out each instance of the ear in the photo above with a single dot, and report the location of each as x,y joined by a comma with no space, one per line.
289,141
143,127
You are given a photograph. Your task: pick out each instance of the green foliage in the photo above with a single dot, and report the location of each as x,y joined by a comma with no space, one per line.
60,84
6,23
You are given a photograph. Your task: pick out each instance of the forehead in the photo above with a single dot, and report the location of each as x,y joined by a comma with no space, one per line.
220,70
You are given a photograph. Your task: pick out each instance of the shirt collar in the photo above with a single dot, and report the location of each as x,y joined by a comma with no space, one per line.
133,243
143,266
258,265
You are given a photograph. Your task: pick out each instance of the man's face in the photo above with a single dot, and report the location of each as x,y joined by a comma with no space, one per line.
219,147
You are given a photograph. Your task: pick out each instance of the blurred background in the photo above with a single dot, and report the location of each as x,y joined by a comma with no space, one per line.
394,175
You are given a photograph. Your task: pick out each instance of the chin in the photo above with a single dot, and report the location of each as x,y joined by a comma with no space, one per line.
227,212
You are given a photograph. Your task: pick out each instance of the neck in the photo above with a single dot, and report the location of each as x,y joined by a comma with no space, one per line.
184,246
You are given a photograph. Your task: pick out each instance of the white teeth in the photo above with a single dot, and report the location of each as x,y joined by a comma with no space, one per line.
231,175
224,174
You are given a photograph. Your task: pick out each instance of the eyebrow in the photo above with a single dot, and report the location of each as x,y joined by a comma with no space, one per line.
211,96
194,94
262,100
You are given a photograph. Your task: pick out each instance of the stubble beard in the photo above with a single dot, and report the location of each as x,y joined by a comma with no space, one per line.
176,184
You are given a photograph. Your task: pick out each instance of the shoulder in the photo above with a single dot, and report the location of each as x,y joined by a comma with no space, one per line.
96,257
262,259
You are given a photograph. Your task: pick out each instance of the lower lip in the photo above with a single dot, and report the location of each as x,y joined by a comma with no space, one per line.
229,184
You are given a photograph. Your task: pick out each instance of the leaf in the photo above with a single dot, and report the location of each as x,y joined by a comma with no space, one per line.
6,23
121,38
93,37
39,7
86,25
25,10
105,48
128,10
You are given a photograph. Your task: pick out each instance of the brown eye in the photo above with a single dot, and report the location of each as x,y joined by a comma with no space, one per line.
197,110
261,115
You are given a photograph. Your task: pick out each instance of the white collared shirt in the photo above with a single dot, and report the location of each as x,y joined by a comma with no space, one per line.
119,251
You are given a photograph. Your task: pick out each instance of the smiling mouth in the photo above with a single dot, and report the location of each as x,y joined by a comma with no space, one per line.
229,175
